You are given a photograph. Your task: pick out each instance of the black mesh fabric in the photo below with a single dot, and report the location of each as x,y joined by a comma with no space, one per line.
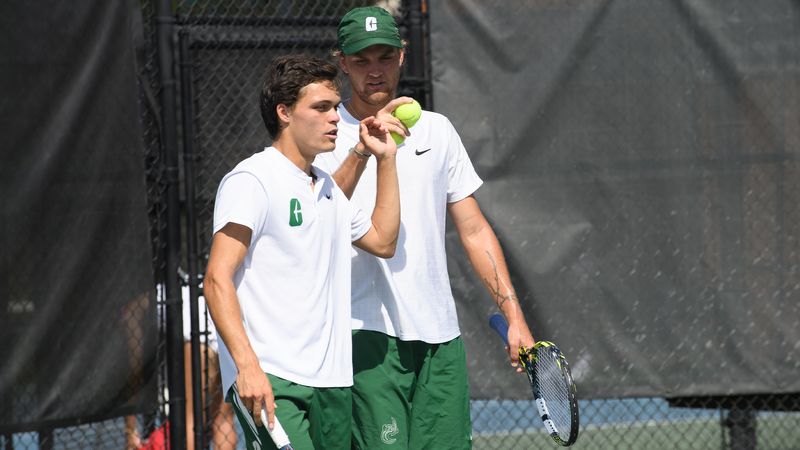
77,311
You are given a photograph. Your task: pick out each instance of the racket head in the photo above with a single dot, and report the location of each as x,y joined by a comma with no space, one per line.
555,393
552,385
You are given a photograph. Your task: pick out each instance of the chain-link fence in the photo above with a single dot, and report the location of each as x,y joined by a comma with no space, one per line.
223,51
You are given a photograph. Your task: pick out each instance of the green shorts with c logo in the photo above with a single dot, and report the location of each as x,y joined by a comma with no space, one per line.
409,395
313,418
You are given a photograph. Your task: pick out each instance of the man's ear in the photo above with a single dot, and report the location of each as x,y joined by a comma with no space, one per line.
284,114
341,63
402,56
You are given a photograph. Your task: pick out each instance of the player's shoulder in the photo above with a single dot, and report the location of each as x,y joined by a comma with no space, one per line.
432,116
435,120
258,167
256,160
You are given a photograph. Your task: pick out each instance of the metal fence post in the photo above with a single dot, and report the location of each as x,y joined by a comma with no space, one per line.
190,156
416,81
173,307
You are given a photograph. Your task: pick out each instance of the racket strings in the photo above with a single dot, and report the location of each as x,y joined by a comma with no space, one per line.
554,391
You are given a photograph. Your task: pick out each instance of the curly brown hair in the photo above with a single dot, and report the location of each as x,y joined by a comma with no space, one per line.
284,80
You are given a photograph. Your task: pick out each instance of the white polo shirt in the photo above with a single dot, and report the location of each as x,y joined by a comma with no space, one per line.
294,283
409,295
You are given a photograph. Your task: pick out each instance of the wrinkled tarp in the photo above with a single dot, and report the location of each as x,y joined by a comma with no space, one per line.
640,161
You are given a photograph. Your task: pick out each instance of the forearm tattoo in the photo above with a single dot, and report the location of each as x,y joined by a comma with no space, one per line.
495,289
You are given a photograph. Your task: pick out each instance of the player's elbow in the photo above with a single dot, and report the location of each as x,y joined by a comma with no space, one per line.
379,242
386,251
381,248
390,249
213,283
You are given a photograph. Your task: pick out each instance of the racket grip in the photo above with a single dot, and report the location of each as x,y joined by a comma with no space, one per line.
277,433
498,324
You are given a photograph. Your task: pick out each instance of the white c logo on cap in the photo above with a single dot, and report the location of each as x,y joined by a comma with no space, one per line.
372,24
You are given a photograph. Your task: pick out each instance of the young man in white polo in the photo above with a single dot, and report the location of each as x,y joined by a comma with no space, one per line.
278,278
410,380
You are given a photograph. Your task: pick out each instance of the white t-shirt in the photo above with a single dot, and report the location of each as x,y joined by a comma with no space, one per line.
293,285
409,295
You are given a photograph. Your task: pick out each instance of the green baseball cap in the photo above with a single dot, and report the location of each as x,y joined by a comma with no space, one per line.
367,26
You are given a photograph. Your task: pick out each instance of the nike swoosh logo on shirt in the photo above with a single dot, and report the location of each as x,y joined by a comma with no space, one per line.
421,152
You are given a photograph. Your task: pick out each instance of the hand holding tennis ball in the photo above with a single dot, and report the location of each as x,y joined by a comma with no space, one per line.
409,114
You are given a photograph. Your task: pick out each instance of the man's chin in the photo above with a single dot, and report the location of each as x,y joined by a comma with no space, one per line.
329,148
376,98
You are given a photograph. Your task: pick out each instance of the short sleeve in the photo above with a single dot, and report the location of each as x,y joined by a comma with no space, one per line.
360,223
241,199
462,178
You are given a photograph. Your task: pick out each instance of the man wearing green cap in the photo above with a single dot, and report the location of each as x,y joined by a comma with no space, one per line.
410,381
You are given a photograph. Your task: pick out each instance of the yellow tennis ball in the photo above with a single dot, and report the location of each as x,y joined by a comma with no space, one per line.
409,114
397,138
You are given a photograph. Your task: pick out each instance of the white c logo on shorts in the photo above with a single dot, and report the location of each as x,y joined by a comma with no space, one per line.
389,430
372,24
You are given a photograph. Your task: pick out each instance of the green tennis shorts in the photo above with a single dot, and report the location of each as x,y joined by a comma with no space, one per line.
313,418
409,395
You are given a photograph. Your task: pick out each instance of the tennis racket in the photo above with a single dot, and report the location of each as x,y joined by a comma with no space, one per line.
277,434
551,381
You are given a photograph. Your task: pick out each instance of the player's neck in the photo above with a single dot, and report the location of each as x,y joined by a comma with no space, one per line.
292,152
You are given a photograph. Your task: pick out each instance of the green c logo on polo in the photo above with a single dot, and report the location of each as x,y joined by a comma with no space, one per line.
295,215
